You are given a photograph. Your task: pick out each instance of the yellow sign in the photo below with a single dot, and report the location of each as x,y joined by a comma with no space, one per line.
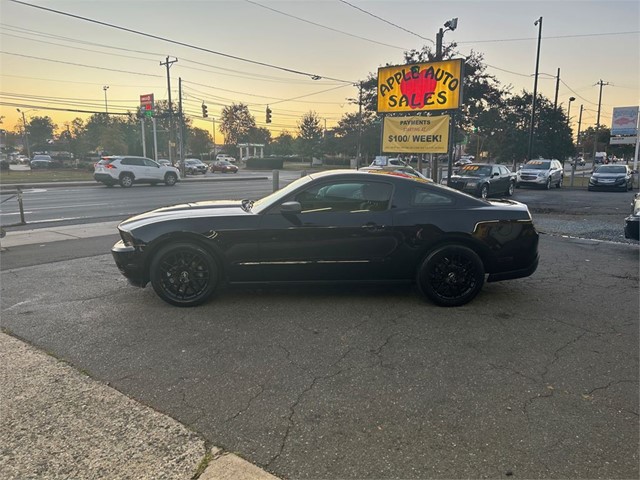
416,134
420,87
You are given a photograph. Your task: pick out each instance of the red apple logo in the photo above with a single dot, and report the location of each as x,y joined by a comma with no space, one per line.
417,90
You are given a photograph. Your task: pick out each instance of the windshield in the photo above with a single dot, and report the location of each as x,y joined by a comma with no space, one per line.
537,165
475,171
266,202
611,169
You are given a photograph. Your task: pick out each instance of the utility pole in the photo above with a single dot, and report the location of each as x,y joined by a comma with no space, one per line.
555,103
359,125
168,64
26,135
595,140
105,88
575,161
535,91
181,127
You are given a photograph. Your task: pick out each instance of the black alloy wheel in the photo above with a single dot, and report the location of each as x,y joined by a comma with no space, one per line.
184,274
170,179
451,275
126,180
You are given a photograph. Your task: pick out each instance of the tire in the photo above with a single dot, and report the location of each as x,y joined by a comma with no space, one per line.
184,274
484,191
451,275
126,180
547,186
170,179
560,182
510,189
517,185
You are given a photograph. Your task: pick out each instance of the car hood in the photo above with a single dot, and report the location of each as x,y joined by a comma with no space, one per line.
214,208
609,175
466,178
531,171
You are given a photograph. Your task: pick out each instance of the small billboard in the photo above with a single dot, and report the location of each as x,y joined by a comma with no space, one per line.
415,134
624,121
420,87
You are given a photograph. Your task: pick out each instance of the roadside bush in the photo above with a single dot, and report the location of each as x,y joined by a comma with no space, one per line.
269,163
337,161
4,165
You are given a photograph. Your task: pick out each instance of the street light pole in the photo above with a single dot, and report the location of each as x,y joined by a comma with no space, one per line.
106,109
595,140
571,99
535,90
26,137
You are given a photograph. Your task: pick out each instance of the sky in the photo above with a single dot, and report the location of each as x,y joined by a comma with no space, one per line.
267,52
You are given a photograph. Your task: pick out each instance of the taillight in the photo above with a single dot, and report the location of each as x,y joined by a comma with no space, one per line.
110,165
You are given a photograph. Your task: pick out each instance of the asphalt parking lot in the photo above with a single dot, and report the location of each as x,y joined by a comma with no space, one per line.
536,378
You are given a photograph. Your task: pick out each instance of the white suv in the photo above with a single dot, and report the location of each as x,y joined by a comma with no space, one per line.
540,173
127,170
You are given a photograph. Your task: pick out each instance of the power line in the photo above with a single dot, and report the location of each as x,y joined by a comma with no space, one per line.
323,26
387,21
183,44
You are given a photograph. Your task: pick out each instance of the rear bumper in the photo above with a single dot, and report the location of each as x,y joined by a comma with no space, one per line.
521,273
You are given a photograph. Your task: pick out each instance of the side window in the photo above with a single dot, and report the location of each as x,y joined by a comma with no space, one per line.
345,197
150,163
137,162
425,198
126,161
495,170
504,170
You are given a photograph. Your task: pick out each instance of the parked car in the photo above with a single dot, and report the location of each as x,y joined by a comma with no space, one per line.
483,180
632,221
611,177
382,161
41,161
540,173
343,225
129,170
404,170
578,161
223,166
194,166
464,160
163,161
224,156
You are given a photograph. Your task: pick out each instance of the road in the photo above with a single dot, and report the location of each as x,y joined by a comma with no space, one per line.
536,378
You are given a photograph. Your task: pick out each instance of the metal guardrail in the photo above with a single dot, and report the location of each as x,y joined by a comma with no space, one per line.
17,195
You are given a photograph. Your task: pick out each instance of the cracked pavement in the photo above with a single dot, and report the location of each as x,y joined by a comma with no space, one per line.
536,378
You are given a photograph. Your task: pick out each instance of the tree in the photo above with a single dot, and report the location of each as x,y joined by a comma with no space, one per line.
236,123
282,144
348,132
310,135
199,141
40,131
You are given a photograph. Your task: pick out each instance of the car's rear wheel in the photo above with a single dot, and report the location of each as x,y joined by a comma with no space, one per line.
451,275
510,190
170,179
126,180
184,274
484,191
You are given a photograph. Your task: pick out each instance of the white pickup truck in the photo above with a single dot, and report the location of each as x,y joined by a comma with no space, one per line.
224,156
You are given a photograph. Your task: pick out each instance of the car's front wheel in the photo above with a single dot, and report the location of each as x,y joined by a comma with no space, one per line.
484,191
560,182
170,179
184,274
547,185
451,275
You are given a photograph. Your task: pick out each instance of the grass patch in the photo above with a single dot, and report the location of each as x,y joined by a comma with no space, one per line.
8,177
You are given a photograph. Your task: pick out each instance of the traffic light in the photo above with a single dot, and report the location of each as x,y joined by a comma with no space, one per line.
268,115
204,111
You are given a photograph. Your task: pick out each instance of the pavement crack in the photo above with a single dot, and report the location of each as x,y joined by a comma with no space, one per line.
248,405
610,384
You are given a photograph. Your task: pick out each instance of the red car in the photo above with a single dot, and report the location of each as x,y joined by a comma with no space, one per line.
223,166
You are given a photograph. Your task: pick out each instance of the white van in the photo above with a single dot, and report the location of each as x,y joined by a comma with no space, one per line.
601,157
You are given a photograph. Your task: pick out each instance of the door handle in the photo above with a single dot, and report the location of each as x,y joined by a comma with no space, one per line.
373,227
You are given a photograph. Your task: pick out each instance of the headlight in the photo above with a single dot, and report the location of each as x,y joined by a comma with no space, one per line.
542,174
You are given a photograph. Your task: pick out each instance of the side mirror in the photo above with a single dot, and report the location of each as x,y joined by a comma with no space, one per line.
496,174
291,207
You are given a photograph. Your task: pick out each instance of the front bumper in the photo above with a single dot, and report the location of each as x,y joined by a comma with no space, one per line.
631,229
532,180
599,185
130,262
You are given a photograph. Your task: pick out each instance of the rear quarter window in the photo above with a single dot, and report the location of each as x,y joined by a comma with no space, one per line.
428,198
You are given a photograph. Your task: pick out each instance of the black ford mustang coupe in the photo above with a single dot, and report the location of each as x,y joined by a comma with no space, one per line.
334,226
